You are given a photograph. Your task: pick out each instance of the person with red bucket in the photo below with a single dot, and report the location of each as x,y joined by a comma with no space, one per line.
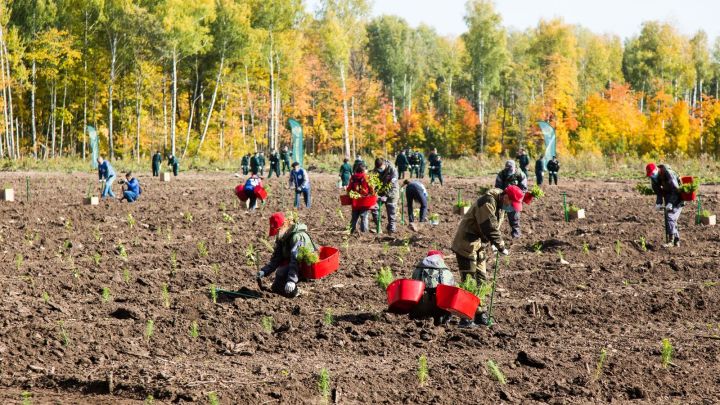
666,185
511,176
433,271
359,185
249,189
290,237
390,193
479,228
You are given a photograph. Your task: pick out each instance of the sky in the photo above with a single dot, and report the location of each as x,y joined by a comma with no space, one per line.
620,17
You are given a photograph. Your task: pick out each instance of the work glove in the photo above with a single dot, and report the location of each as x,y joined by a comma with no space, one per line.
494,249
669,207
505,252
299,189
260,275
383,199
659,207
289,287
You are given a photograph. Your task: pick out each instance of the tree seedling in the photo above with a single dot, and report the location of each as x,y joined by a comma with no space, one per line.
45,297
470,285
122,252
130,220
328,318
202,249
149,400
194,332
340,215
561,256
251,255
495,372
618,247
64,336
165,296
216,269
537,247
106,294
149,329
126,276
173,262
68,224
213,398
223,206
96,234
666,352
586,248
267,324
19,261
384,277
228,237
600,364
213,293
188,217
643,244
26,398
422,372
228,218
324,384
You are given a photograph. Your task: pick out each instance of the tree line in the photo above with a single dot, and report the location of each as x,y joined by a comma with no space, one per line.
219,78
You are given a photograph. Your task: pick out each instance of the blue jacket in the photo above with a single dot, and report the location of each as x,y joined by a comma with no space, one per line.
299,179
105,170
134,186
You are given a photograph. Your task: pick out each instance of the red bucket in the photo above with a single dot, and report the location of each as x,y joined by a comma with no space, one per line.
328,263
528,198
688,196
404,294
240,192
456,301
260,192
364,203
345,199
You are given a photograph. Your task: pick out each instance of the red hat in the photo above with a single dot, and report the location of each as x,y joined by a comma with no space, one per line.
650,169
435,252
276,222
516,195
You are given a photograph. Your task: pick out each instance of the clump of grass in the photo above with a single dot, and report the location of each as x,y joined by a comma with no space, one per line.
194,332
384,277
106,294
600,364
202,249
324,384
495,372
618,247
328,318
165,296
149,329
213,398
666,352
422,373
267,324
130,220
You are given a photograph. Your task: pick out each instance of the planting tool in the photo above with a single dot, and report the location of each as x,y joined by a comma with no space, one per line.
378,225
699,210
402,206
665,215
27,188
565,209
492,293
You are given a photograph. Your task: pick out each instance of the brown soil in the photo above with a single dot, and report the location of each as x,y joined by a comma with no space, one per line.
552,321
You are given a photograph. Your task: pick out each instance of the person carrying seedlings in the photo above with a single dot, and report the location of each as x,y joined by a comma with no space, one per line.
359,185
510,176
388,192
666,185
274,164
524,161
156,162
131,191
290,238
255,164
249,189
401,162
433,271
553,167
106,173
300,182
174,163
285,157
358,161
479,228
539,170
261,161
415,191
245,164
435,167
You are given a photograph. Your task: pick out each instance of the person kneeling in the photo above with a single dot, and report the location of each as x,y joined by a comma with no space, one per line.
290,237
131,188
433,271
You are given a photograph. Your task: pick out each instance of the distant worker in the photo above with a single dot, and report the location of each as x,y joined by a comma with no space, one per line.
261,160
421,165
289,239
359,184
274,164
255,164
524,161
245,164
131,191
666,185
435,167
402,163
553,167
358,161
510,176
479,228
433,271
300,182
345,172
389,194
539,170
156,162
174,163
106,173
414,164
415,192
285,157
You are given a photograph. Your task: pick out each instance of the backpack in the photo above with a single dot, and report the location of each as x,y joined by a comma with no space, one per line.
433,271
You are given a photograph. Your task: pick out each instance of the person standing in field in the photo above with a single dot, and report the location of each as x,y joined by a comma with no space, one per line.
510,176
132,190
106,173
414,165
156,162
300,182
359,184
553,167
415,191
274,164
666,185
285,156
524,161
174,163
358,161
261,162
389,194
401,162
435,167
421,165
539,170
345,172
245,164
255,164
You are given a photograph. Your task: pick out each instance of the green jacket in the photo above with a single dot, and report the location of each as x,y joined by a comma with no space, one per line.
245,161
286,249
480,225
254,162
345,171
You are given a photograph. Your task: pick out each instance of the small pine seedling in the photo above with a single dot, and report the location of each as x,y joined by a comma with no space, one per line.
586,248
106,294
126,276
150,400
495,372
122,252
45,297
67,244
324,384
194,332
223,206
340,215
130,220
68,224
386,247
188,217
267,324
618,247
26,398
422,373
165,296
216,269
643,244
560,255
213,398
600,364
228,218
537,247
228,237
328,318
213,293
384,277
96,234
149,329
64,336
666,352
202,249
251,255
19,260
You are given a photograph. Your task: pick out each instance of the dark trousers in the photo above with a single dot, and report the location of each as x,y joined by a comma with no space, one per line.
420,198
156,169
361,215
245,170
539,178
436,174
175,169
274,169
306,197
553,176
524,170
514,220
285,166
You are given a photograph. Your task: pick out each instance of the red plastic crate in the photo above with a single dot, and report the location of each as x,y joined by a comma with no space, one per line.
328,263
260,192
345,199
688,196
364,203
456,301
404,294
528,198
240,192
